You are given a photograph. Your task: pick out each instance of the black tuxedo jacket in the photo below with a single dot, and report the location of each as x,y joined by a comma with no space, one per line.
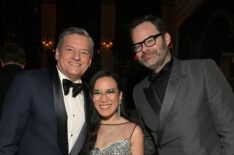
6,75
197,114
34,116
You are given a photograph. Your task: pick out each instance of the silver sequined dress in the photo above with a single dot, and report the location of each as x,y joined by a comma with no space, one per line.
121,147
118,138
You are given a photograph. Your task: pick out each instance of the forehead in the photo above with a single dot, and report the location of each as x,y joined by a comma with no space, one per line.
143,31
105,83
76,41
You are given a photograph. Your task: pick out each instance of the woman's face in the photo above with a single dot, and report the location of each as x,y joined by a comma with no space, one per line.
106,97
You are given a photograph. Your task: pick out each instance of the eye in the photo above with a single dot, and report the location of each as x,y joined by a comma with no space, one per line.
137,47
69,49
150,41
84,52
110,91
96,92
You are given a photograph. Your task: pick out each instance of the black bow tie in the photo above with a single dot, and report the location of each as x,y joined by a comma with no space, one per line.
77,87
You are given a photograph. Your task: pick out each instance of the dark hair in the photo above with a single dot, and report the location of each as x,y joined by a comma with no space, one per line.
155,20
95,118
13,52
75,30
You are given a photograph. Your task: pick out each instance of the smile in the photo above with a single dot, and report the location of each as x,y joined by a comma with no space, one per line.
76,64
105,106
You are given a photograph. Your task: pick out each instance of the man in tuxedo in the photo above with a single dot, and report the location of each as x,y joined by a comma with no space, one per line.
46,111
185,107
13,60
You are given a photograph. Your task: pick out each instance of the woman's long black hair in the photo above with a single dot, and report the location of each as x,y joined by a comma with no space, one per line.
94,116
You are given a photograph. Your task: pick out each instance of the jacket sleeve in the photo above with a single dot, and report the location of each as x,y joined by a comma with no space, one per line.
15,114
221,102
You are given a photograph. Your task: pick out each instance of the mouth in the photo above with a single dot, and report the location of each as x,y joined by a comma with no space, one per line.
75,64
105,106
147,56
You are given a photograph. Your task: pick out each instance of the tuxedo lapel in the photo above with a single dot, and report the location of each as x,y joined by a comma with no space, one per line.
81,138
153,99
174,83
61,115
150,109
80,141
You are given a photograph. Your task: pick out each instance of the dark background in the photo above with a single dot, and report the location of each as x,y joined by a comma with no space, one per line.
207,31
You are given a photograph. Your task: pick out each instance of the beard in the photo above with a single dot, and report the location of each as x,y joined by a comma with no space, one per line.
158,58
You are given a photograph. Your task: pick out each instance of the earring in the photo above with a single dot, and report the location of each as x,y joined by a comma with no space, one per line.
118,115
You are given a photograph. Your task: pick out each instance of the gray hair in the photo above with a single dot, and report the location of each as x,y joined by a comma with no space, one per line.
75,30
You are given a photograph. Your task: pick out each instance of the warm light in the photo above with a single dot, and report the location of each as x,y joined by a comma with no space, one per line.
47,44
103,43
107,44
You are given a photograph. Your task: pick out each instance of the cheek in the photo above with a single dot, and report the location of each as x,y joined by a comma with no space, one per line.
138,55
116,103
95,103
87,61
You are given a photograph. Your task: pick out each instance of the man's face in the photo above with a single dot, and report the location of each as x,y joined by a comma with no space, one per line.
74,56
156,56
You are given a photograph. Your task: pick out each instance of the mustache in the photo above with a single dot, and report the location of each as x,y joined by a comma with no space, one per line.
148,52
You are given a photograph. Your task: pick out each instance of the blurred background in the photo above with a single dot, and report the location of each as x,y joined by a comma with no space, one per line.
199,29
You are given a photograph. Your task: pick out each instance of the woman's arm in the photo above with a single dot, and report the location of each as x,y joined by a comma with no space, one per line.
137,141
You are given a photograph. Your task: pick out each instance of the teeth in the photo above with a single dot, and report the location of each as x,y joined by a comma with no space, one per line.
75,64
105,106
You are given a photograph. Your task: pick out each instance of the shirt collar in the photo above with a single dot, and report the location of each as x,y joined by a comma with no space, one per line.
166,69
62,76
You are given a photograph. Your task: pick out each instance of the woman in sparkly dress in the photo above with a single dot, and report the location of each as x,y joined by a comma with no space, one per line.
110,132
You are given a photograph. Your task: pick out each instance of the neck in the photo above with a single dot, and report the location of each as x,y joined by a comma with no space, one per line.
111,120
167,59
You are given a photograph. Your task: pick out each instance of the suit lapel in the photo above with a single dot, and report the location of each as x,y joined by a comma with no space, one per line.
152,99
174,83
81,138
151,109
61,115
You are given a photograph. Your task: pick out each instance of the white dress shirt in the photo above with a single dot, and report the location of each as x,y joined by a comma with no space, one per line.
75,112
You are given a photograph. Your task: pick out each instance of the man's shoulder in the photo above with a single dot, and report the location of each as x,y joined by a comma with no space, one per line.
32,73
141,83
196,61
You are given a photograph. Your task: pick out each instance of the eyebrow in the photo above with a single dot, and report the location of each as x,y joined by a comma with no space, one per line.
143,40
106,90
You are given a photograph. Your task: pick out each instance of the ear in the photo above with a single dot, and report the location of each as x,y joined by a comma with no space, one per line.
167,38
90,62
120,95
56,54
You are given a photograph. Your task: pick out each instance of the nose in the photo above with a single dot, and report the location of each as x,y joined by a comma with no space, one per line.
103,97
144,47
77,55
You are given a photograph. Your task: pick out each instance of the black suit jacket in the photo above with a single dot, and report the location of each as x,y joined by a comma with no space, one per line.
6,75
197,114
32,119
